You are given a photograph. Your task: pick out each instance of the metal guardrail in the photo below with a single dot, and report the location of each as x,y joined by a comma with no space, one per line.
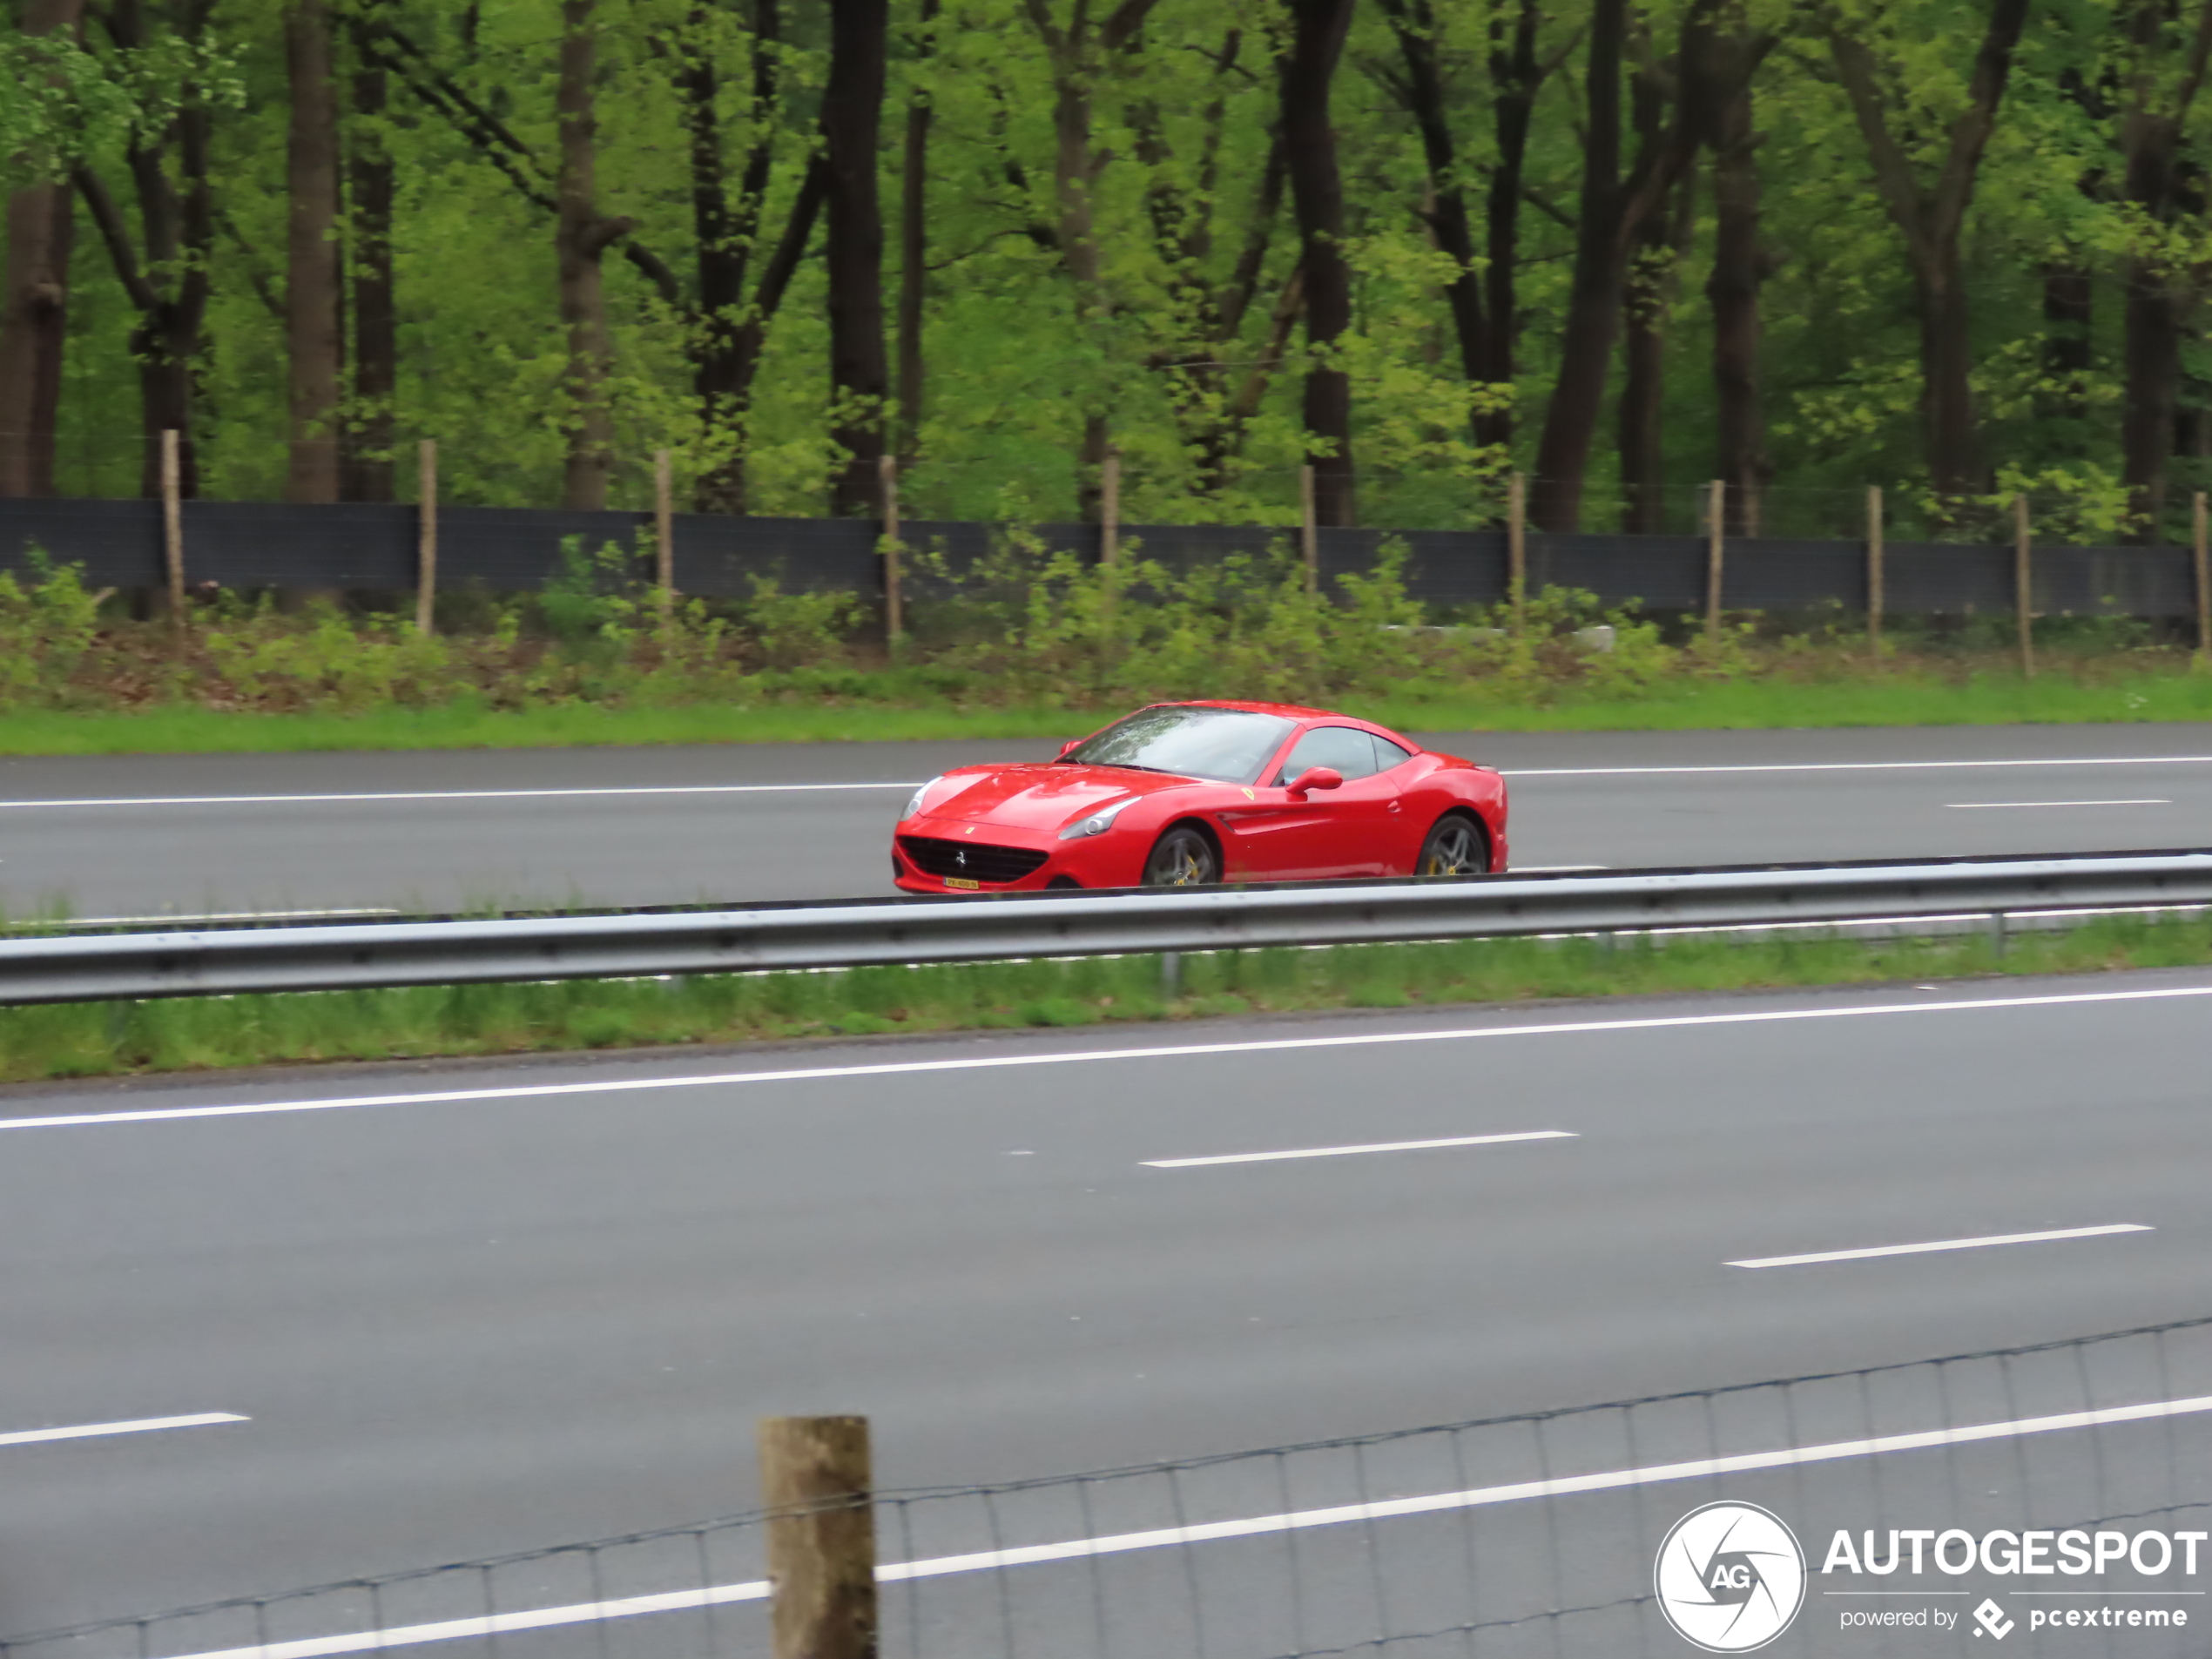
869,932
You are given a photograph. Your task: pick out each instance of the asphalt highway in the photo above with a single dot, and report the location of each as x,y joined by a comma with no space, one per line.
197,835
459,1326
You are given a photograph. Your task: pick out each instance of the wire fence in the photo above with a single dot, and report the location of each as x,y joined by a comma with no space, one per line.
1056,487
2049,1498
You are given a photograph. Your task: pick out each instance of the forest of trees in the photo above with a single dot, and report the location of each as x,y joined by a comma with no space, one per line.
1957,247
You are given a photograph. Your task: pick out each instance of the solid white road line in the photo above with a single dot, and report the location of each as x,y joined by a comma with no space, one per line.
776,789
1942,1244
1994,805
1075,1549
1352,1152
215,915
452,794
1854,766
136,1426
996,1062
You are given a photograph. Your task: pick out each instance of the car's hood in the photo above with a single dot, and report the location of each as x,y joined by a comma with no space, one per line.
1039,797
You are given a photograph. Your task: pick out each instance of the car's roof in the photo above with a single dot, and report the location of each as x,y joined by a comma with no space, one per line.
1288,711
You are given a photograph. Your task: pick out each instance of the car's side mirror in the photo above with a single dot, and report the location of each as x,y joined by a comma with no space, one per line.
1317,778
1069,746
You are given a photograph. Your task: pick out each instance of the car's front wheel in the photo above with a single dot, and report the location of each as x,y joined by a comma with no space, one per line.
1182,857
1455,846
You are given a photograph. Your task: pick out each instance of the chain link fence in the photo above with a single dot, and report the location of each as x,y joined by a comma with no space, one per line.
2056,1498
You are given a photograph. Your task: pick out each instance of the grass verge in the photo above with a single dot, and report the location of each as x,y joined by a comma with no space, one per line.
1898,699
101,1038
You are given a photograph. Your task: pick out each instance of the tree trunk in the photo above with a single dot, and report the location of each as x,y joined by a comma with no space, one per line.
852,124
34,299
1316,191
2069,322
370,432
2151,141
580,236
721,254
34,322
1594,295
314,342
913,249
1721,70
1413,21
168,284
2153,357
1931,219
1515,75
1648,292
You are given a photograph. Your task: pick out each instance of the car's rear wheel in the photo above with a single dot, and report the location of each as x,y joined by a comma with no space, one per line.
1455,846
1182,857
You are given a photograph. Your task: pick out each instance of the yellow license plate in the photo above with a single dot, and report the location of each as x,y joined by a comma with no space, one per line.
962,882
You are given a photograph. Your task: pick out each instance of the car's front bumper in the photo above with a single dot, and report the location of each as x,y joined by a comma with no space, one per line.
942,855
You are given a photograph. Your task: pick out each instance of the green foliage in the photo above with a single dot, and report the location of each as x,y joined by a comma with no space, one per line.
1182,343
1048,627
334,663
46,627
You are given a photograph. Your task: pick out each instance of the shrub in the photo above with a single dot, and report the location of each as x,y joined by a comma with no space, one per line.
46,626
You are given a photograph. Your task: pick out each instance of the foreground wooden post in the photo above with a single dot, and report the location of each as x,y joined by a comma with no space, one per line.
894,612
426,536
172,524
664,533
1110,509
1308,528
2203,581
815,1484
2023,583
1517,551
1875,596
1715,544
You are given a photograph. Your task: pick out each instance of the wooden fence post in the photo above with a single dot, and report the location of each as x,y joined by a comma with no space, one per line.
1875,596
665,533
2203,580
426,536
1308,528
895,611
1715,544
1517,551
2023,583
172,524
815,1484
1110,509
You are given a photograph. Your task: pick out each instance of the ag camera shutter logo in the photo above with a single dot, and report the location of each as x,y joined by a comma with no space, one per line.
1730,1577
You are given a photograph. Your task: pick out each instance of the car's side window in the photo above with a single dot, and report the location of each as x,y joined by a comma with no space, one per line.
1389,754
1349,754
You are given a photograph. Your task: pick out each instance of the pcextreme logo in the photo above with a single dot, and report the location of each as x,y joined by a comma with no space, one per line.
1730,1577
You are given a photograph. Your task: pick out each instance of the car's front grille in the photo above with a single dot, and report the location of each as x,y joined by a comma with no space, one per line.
977,863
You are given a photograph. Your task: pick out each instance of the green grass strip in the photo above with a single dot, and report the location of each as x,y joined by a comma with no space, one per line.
1897,700
103,1039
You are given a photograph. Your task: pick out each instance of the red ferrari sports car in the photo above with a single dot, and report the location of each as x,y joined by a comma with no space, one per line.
1182,794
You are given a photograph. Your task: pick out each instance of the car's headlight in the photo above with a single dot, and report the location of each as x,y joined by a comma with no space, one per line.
1099,822
914,806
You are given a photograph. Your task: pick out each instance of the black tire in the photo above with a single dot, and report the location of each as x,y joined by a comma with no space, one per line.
1182,857
1456,847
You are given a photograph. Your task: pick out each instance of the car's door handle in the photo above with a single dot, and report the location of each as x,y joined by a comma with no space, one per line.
1394,806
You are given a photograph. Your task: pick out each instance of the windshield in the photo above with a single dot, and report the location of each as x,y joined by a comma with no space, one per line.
1224,745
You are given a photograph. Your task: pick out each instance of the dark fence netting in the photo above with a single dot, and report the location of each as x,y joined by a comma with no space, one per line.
373,547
